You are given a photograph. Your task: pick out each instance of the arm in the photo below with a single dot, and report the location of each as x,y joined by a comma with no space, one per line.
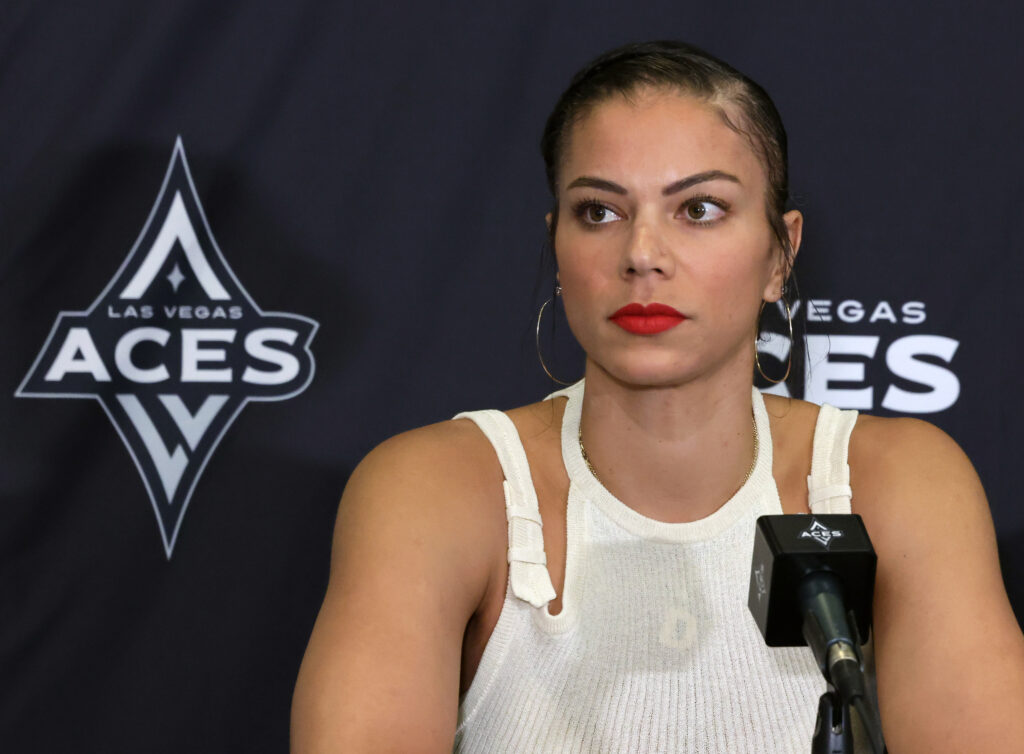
411,562
949,652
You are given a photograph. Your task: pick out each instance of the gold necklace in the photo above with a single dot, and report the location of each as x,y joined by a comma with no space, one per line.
753,461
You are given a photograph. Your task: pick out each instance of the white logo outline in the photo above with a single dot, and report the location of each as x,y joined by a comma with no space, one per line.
759,579
821,533
177,158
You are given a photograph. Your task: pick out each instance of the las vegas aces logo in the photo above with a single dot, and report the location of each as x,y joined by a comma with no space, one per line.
172,349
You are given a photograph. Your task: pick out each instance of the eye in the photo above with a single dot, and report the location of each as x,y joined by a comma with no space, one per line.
592,212
703,210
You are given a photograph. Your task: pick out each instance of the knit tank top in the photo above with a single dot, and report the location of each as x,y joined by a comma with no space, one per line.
654,649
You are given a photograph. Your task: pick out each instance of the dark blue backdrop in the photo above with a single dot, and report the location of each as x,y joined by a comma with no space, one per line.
374,169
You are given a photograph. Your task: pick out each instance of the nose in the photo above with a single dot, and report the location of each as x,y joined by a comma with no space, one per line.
646,253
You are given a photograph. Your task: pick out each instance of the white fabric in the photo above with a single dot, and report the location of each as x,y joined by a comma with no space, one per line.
527,562
828,484
654,649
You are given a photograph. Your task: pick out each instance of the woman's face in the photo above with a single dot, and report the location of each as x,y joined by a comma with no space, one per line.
661,202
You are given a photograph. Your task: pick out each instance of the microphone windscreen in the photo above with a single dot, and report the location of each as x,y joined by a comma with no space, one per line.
787,548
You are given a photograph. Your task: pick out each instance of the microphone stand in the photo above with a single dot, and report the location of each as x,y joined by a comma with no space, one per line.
832,734
807,589
841,663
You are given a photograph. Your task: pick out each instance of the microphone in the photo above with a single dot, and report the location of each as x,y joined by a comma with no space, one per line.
812,581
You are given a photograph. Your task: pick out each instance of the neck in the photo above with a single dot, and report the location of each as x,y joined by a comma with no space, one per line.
673,453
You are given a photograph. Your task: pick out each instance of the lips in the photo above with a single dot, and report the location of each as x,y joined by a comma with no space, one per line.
647,320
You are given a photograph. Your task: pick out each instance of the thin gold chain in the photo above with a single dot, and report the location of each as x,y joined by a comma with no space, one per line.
753,461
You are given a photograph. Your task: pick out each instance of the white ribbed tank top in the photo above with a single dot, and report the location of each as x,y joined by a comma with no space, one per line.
654,649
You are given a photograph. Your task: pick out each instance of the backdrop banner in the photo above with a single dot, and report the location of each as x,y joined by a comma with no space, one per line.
244,244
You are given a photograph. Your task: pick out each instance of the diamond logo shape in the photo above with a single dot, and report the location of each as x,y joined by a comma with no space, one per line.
172,349
820,533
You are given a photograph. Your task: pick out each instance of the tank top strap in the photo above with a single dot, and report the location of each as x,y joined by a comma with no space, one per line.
828,486
527,569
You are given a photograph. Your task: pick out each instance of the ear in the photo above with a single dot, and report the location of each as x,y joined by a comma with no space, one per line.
794,221
547,221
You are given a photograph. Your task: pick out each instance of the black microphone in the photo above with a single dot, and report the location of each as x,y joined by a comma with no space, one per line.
812,581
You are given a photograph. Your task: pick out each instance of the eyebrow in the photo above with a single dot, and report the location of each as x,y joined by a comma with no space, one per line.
693,180
673,188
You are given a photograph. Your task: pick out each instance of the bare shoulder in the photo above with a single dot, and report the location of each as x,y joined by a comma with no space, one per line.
446,463
437,486
541,421
418,542
444,479
790,409
791,418
926,512
913,461
916,490
877,437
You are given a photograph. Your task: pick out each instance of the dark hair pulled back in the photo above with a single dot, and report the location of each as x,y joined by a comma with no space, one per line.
742,103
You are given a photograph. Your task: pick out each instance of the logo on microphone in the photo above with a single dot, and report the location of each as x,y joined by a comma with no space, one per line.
820,533
762,587
172,349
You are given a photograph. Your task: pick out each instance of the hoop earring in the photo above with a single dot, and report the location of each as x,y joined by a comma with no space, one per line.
789,363
540,357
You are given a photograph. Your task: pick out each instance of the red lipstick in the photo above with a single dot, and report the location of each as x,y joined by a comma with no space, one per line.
647,320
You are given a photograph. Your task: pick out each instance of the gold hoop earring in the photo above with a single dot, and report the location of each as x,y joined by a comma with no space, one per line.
789,362
540,357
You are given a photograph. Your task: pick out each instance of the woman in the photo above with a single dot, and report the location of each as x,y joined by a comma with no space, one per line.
622,624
